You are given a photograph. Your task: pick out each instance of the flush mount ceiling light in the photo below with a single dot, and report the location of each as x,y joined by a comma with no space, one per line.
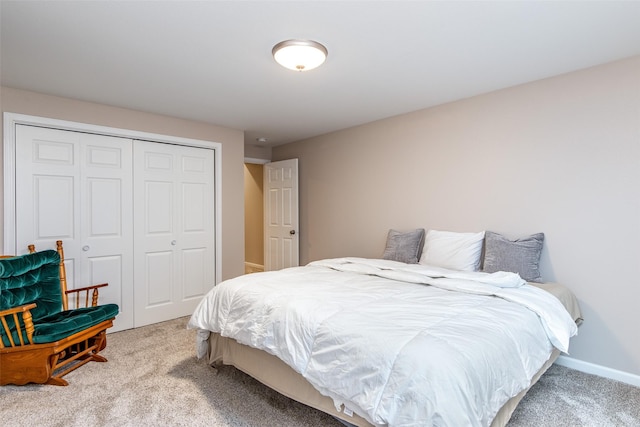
299,55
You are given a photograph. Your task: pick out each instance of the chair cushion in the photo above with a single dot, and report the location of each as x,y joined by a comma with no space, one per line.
66,323
31,278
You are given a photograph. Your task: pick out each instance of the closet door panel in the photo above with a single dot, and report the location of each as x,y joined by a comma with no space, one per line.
58,223
106,202
109,269
158,208
76,187
194,272
194,207
47,187
158,267
197,224
174,223
104,208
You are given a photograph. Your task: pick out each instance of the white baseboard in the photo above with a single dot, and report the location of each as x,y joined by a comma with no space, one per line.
599,370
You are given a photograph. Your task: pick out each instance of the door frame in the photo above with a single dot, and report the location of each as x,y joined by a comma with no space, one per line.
9,169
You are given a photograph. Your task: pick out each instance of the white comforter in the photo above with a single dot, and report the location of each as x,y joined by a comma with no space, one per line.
373,336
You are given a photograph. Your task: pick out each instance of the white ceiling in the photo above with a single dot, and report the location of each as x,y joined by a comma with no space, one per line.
211,60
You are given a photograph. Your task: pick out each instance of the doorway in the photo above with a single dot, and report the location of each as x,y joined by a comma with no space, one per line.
253,217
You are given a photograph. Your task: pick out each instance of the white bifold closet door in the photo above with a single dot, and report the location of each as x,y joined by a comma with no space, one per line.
174,233
136,214
77,187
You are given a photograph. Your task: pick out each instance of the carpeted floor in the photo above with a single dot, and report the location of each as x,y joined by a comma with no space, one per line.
153,379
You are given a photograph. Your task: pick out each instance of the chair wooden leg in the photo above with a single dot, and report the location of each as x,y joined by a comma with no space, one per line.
103,344
57,381
98,358
100,343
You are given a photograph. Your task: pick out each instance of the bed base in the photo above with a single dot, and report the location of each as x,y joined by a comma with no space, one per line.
276,374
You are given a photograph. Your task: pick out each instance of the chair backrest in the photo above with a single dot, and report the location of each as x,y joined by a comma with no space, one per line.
63,272
32,278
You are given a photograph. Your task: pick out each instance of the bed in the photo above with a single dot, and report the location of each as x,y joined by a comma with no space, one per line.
388,343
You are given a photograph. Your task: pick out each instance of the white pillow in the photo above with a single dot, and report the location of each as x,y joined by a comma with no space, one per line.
455,251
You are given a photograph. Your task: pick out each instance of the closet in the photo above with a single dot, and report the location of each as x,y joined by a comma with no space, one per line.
135,213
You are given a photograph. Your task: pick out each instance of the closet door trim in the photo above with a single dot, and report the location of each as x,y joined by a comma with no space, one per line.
11,120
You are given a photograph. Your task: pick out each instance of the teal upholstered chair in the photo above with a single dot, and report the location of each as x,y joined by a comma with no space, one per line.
41,338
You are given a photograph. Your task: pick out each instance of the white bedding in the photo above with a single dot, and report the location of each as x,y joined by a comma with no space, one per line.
377,339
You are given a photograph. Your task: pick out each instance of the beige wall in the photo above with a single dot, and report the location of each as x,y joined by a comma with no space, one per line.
560,155
253,214
36,104
255,152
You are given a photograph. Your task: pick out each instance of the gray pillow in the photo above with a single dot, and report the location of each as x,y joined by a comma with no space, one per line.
404,246
520,256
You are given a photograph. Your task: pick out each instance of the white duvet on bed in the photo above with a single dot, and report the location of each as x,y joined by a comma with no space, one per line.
398,344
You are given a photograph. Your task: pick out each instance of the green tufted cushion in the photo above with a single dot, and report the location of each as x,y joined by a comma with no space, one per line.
32,278
61,325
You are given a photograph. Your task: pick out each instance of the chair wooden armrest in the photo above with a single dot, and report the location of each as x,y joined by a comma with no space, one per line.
88,290
26,324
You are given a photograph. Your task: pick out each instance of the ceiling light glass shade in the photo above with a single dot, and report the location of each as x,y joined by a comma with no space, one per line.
299,55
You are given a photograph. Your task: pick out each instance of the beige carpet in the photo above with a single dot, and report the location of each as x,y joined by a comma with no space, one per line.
153,379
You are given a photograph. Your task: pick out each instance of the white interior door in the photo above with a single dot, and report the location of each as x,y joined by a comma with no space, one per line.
174,229
281,215
77,187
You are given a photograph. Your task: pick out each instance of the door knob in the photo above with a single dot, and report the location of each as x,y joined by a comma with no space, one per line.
86,248
173,243
292,232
